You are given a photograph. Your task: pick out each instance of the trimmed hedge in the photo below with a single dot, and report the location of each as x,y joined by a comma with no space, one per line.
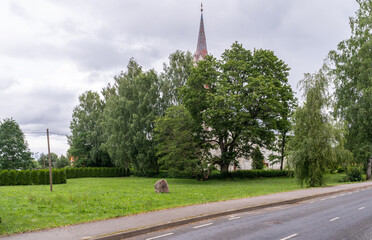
59,176
251,174
35,177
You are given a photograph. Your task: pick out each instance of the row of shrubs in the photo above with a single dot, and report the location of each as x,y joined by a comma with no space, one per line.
59,176
250,174
33,177
96,172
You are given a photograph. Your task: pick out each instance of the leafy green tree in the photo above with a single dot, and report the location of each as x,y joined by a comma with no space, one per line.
87,132
353,71
62,162
43,160
257,159
317,142
129,119
180,150
239,100
14,152
175,76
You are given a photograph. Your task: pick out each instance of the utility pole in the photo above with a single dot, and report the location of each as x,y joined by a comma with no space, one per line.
50,164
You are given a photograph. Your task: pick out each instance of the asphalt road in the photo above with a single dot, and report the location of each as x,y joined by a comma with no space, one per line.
342,216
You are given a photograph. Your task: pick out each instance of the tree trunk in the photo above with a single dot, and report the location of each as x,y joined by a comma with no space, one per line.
369,165
224,168
282,152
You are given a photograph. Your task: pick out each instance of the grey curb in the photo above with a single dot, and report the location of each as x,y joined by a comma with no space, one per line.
149,229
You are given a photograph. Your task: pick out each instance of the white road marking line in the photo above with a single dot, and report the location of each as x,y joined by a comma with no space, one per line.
312,202
204,225
159,236
233,218
357,191
343,194
334,219
323,199
361,208
291,236
349,193
334,197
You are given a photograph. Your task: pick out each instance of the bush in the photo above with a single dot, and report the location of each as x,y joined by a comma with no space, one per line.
13,177
24,177
55,176
249,174
35,177
354,173
42,177
28,177
257,159
62,176
5,181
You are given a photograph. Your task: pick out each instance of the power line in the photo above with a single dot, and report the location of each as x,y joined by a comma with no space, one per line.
42,133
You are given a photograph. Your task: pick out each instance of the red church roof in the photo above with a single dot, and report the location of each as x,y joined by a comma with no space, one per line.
201,50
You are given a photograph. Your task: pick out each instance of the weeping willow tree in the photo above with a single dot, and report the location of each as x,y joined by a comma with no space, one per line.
318,142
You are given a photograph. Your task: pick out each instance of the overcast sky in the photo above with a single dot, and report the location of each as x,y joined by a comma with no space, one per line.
52,51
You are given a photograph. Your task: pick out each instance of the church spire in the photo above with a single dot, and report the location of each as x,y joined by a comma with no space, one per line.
201,49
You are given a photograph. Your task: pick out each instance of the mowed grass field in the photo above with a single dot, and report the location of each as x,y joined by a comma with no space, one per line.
27,208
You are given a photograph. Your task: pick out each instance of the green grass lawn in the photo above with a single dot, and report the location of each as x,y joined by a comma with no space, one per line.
26,208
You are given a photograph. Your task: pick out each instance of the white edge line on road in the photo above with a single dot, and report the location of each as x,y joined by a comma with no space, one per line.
334,219
323,199
291,236
333,196
204,225
343,194
164,235
233,218
349,193
361,208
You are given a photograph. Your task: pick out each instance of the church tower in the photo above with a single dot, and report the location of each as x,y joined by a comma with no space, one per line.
201,49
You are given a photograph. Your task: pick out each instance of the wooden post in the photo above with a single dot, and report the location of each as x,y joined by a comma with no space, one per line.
369,165
50,164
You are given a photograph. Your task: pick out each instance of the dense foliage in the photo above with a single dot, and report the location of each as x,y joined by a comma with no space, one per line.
129,119
240,100
175,76
181,152
251,174
56,161
257,159
87,132
317,143
189,118
14,152
353,71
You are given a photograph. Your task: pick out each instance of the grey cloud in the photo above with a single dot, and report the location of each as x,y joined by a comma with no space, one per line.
7,83
42,107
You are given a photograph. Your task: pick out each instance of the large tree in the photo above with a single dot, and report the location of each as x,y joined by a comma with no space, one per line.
317,142
14,151
353,71
175,76
131,109
239,100
180,149
87,133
